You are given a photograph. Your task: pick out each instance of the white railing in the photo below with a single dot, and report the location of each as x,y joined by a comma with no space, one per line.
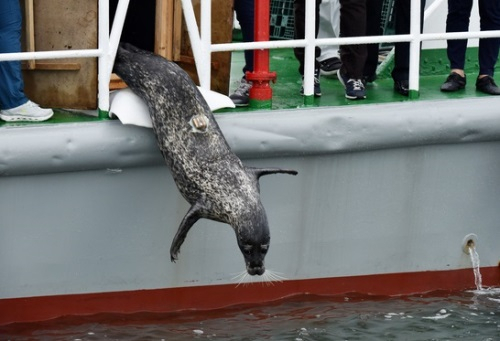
106,51
309,42
203,47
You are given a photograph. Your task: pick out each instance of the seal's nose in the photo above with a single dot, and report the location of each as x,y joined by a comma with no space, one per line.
256,270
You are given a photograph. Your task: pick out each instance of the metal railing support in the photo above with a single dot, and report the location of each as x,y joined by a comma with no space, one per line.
261,93
116,31
415,43
104,62
200,44
206,42
309,52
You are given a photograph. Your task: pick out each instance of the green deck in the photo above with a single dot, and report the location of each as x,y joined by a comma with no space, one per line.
434,69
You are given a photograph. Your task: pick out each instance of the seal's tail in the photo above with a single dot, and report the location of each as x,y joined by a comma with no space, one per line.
124,54
131,48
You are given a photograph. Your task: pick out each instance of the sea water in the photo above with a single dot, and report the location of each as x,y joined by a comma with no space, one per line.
468,315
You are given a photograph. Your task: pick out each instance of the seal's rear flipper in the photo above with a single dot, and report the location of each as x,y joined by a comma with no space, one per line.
258,172
190,218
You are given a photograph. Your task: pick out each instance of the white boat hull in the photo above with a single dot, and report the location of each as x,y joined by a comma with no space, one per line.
384,198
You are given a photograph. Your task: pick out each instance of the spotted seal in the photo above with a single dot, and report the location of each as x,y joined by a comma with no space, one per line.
207,173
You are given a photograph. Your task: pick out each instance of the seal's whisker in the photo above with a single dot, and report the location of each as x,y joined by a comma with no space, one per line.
241,278
273,276
267,278
238,275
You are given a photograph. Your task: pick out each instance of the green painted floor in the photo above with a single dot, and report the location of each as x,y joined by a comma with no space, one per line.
434,69
286,94
60,116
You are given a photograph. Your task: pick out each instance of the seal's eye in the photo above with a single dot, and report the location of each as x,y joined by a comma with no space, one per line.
247,249
264,248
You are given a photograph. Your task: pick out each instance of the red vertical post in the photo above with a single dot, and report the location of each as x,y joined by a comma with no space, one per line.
261,93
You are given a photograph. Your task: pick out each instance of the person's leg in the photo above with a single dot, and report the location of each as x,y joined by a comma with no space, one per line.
458,21
11,79
14,104
489,12
329,27
373,28
353,57
300,17
402,49
353,24
245,15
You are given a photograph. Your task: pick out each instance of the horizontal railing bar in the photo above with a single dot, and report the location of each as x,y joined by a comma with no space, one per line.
51,54
265,44
460,35
351,40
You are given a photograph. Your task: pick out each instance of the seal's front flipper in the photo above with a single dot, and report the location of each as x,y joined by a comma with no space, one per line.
258,172
190,218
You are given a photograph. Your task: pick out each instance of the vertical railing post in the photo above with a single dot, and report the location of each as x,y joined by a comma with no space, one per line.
206,42
309,52
201,49
261,93
414,49
104,62
116,31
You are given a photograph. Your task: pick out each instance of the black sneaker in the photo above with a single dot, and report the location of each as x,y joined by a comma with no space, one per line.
487,85
240,96
454,82
330,66
354,88
317,86
402,87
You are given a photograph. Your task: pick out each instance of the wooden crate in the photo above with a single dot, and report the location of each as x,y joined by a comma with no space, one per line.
222,30
172,40
72,24
61,25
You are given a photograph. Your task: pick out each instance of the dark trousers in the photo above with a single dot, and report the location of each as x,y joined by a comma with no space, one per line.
458,21
401,69
401,14
373,28
300,20
11,78
245,14
353,24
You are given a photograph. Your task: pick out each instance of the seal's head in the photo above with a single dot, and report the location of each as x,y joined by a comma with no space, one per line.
253,239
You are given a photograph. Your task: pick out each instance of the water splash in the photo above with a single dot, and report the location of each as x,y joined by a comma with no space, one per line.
474,257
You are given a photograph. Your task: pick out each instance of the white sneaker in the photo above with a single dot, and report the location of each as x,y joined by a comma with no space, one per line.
28,111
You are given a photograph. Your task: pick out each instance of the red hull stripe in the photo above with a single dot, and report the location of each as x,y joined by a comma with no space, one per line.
32,309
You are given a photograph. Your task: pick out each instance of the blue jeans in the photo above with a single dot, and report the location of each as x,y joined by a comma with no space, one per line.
245,14
458,21
11,78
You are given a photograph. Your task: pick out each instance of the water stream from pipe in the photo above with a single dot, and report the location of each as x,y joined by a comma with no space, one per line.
474,257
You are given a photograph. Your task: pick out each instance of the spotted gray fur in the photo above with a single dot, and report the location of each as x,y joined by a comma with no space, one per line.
207,173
